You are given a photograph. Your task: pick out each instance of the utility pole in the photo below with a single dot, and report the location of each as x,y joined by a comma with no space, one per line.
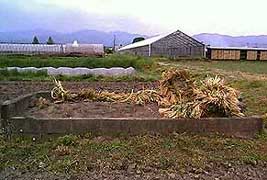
114,42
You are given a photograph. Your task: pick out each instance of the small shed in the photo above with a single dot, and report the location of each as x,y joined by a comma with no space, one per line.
174,45
236,53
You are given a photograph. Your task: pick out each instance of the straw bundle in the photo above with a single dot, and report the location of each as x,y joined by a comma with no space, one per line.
211,98
175,86
59,94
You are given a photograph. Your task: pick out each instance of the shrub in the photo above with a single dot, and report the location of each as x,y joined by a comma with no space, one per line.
138,39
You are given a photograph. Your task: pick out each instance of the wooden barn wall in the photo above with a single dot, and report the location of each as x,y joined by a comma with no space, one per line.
219,54
263,55
140,51
251,55
178,45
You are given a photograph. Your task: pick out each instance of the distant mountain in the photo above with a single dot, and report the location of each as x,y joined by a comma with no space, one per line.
84,36
232,41
107,38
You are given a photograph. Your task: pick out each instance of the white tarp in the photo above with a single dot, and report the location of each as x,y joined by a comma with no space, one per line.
116,71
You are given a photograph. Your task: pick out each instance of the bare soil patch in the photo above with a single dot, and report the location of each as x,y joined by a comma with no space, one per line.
95,110
13,89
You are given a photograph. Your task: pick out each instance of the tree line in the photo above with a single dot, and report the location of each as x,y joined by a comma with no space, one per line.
50,41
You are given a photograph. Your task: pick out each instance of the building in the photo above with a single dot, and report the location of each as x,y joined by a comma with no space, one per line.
236,53
57,49
30,49
173,45
84,49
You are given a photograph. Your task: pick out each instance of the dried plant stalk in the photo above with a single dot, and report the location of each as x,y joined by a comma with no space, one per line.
178,96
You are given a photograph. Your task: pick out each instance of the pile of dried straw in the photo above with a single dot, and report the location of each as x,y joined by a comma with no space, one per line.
178,96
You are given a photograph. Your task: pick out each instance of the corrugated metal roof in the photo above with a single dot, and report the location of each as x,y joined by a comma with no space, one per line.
237,48
145,42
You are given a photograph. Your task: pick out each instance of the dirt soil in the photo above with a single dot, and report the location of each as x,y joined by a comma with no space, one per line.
94,110
9,90
240,173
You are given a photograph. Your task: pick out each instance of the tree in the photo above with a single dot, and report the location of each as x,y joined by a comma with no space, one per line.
138,39
35,40
50,41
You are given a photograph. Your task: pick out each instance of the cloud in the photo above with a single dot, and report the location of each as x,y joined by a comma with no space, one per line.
236,17
64,19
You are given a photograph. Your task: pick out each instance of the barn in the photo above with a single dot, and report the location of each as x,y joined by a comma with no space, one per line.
236,53
173,45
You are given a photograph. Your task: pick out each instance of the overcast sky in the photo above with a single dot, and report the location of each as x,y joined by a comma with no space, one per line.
232,17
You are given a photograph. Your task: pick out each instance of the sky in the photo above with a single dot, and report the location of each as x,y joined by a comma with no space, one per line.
149,17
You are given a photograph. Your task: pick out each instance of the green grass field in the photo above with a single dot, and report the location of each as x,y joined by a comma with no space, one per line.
89,62
145,67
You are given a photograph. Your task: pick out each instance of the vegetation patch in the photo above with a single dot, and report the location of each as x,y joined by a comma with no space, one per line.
146,68
125,61
253,67
174,153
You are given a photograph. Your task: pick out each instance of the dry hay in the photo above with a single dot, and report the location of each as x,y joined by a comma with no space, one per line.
59,95
212,98
178,97
175,86
140,97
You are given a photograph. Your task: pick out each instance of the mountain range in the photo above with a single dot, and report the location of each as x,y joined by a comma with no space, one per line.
107,38
232,41
83,36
